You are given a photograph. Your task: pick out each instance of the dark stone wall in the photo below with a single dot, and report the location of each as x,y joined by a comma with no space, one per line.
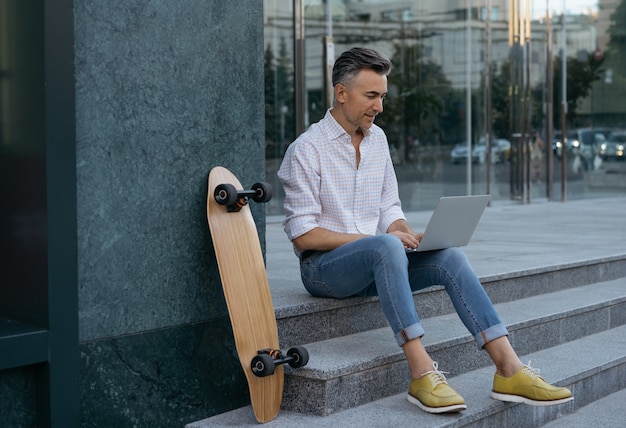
18,392
165,90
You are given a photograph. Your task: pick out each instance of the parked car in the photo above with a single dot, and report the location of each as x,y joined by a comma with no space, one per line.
500,148
479,152
613,148
504,149
584,141
606,132
573,142
590,142
459,153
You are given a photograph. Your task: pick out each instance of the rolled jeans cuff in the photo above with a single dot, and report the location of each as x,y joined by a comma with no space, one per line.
492,333
413,331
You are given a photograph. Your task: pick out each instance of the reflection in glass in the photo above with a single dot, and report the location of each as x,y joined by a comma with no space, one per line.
513,49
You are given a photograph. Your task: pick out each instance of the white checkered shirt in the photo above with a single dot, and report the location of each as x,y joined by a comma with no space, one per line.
324,188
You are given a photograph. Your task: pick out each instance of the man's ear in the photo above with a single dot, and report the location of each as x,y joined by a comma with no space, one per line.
340,92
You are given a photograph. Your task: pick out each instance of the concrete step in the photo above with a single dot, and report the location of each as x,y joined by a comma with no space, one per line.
593,367
536,253
519,252
607,412
304,319
347,371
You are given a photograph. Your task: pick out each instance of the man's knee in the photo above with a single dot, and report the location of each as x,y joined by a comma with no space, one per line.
390,249
388,242
455,255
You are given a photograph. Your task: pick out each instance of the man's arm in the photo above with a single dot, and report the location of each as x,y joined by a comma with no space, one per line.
320,239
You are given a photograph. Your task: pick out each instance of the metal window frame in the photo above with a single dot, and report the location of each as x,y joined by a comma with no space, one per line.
52,350
299,66
58,389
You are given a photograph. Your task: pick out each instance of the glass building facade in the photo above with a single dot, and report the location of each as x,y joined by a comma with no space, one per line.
480,93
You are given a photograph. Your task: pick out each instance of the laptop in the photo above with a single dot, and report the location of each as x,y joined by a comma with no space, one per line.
453,222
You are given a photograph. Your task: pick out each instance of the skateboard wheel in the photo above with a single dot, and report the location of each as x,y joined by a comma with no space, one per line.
263,365
263,192
300,356
225,194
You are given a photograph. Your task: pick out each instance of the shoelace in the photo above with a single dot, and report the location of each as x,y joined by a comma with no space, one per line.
531,371
436,376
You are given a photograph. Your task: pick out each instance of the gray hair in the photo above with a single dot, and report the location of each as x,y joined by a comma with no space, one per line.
352,61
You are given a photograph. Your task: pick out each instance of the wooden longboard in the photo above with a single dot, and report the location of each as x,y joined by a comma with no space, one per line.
244,280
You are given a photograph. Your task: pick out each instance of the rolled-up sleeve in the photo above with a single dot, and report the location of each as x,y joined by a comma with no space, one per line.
300,176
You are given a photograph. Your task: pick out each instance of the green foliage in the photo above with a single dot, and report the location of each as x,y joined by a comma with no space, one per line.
617,43
279,101
500,101
420,99
580,76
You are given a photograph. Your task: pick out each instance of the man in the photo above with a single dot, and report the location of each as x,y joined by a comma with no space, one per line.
340,186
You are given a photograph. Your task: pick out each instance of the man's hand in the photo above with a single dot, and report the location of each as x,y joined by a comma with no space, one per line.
409,240
401,229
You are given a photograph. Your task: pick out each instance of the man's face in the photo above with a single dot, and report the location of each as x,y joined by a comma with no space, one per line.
362,100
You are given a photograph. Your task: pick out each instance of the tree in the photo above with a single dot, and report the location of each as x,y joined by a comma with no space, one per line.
279,101
418,92
581,73
617,44
500,101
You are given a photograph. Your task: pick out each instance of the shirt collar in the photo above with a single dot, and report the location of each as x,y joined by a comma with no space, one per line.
335,130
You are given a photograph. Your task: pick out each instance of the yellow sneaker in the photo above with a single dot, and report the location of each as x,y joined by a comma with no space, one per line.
432,394
526,386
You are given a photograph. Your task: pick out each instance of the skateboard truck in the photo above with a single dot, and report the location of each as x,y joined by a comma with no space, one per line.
235,200
267,359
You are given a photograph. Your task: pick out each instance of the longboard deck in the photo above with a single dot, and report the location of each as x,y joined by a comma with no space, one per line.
247,293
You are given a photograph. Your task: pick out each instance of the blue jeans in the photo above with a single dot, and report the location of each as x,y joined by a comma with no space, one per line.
379,266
